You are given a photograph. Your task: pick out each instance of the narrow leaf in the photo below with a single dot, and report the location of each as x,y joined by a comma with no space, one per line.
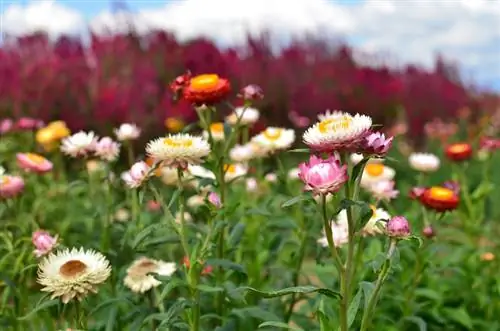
280,325
296,289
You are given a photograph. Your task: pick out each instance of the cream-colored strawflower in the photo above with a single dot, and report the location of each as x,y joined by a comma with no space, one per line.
247,115
195,201
337,131
376,172
375,225
424,162
139,278
233,171
169,176
73,273
274,139
217,131
178,150
243,153
187,217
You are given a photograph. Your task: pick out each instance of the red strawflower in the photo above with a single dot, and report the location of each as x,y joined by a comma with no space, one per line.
206,89
459,152
440,199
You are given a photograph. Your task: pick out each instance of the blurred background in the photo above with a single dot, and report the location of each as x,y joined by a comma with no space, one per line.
98,63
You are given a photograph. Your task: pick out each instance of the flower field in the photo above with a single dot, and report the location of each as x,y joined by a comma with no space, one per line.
241,215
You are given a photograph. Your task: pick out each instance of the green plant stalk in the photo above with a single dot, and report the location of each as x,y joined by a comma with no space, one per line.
106,238
130,153
416,278
382,276
466,193
194,275
221,240
181,228
80,318
338,263
358,259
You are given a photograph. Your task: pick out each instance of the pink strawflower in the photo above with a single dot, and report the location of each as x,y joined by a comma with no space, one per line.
6,125
428,232
489,144
44,242
79,144
416,192
398,227
214,199
376,144
323,176
138,174
251,93
153,205
298,120
10,186
33,163
107,149
127,131
384,190
28,123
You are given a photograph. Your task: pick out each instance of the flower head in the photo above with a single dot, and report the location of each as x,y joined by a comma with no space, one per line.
79,144
340,233
242,153
459,152
214,199
376,144
298,120
428,232
28,123
440,199
274,139
178,150
49,136
376,172
6,125
424,162
107,149
10,186
216,130
247,116
251,92
174,124
127,132
384,190
137,175
43,242
294,173
375,224
234,171
33,162
398,227
489,144
338,131
323,176
271,177
139,275
73,273
206,89
153,206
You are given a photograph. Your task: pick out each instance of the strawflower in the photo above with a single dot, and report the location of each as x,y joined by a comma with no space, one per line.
440,199
10,186
127,132
376,144
33,163
206,89
247,116
398,227
424,162
459,152
80,144
137,175
323,176
44,243
178,150
107,149
251,92
274,139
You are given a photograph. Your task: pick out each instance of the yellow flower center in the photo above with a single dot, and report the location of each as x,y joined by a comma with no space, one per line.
459,148
4,180
72,268
374,210
217,128
174,124
374,169
273,134
178,143
203,82
35,158
230,168
335,124
441,193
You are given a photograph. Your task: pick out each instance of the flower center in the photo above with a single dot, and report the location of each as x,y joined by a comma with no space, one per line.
459,148
4,180
35,158
72,268
335,124
374,210
217,127
144,267
178,143
374,169
203,82
273,134
230,168
441,193
174,124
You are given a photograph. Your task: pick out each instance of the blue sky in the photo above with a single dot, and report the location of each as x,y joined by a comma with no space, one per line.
466,31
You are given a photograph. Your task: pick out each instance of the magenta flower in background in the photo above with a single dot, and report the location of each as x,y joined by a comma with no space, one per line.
214,199
10,186
44,242
489,144
416,192
107,149
428,232
6,125
323,176
452,185
251,92
28,123
137,174
33,163
298,120
398,227
384,190
376,144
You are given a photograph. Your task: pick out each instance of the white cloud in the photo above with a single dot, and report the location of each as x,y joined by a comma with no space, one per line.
412,30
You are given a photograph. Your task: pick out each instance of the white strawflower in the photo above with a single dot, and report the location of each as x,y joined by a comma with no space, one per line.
271,177
80,144
242,153
195,201
169,176
273,139
178,150
73,273
217,131
376,172
294,173
139,277
107,149
337,131
375,225
424,162
340,234
200,172
127,131
248,116
187,217
234,171
356,158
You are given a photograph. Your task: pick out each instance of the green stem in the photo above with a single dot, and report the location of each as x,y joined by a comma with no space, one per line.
416,278
466,194
221,239
358,259
181,228
130,153
384,272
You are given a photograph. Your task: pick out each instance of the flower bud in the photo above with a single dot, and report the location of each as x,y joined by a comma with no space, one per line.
214,199
398,227
428,232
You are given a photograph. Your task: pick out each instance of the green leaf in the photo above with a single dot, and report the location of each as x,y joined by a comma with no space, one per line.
300,150
107,303
422,325
482,191
295,200
356,171
280,325
44,305
428,293
368,289
255,312
169,287
354,307
226,264
366,213
110,326
291,290
460,316
209,289
236,234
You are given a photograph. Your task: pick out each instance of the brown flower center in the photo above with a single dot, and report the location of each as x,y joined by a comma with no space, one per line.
72,268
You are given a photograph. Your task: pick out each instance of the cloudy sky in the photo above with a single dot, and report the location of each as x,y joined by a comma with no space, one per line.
467,31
